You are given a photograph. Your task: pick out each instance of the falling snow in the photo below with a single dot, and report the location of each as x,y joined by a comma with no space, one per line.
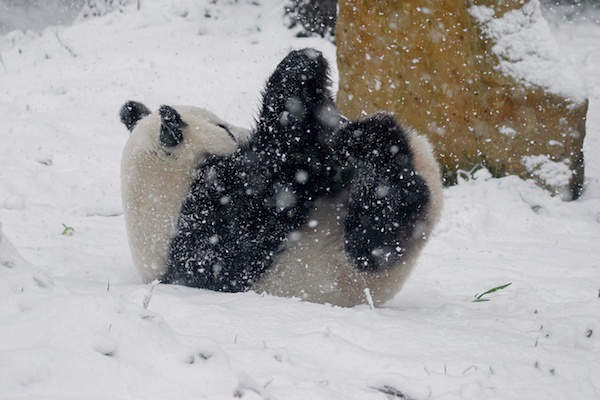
77,322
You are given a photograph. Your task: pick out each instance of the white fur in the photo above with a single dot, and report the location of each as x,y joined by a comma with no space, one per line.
156,179
314,265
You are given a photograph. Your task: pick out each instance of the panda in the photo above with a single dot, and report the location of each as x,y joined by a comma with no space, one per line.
307,204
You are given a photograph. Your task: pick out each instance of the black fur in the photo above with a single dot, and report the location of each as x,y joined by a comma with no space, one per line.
171,127
387,196
241,207
131,112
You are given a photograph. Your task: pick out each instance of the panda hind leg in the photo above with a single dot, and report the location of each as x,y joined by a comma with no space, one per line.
388,198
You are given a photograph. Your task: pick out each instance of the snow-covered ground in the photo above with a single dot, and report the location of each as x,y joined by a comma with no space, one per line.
77,323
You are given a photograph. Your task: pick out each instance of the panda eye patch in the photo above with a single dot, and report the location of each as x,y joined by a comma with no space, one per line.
228,132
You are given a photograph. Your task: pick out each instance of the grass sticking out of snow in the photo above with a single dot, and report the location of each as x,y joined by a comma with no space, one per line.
480,297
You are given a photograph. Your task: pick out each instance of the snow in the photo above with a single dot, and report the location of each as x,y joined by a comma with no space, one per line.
76,322
553,173
507,131
527,51
35,14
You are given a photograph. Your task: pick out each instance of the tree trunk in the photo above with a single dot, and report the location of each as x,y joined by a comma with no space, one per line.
485,82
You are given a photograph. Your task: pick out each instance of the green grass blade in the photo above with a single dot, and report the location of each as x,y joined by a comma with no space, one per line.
479,297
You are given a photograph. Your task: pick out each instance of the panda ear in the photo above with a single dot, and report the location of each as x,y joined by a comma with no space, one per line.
131,112
171,127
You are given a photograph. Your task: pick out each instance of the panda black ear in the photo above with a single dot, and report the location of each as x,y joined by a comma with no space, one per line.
171,127
131,112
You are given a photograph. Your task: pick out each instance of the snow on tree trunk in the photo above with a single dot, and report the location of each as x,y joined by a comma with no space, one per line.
485,81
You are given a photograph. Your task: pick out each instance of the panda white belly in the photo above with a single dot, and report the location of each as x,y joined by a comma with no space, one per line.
313,265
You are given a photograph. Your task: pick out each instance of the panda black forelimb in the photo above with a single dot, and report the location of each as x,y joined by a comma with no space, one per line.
242,206
388,198
131,112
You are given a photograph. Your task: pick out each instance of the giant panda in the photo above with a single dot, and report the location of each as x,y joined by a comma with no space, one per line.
306,204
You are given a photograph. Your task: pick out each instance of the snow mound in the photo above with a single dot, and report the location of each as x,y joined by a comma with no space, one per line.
18,275
9,257
87,335
527,50
553,173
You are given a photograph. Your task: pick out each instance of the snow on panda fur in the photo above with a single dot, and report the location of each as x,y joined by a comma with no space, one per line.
306,205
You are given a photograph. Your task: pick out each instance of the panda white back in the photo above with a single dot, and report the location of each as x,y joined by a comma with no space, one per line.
314,265
155,179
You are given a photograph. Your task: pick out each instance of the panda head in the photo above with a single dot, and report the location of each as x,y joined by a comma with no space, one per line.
157,167
178,135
